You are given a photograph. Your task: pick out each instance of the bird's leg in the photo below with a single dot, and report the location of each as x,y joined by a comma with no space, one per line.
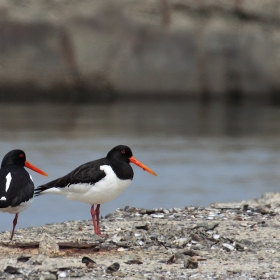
93,215
14,225
97,212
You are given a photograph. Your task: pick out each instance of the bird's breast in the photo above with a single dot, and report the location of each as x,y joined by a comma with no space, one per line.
106,189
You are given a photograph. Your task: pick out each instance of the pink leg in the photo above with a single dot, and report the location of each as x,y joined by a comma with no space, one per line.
97,212
14,225
93,218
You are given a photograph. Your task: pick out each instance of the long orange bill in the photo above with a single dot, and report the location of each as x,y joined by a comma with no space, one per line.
34,168
141,165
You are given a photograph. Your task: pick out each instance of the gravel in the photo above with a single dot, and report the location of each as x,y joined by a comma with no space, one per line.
223,241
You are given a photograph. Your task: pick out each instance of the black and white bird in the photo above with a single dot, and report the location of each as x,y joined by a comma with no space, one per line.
16,184
97,181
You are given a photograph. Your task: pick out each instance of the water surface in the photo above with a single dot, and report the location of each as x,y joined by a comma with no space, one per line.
201,153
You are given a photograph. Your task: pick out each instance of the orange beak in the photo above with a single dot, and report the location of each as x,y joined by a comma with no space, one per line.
141,165
34,168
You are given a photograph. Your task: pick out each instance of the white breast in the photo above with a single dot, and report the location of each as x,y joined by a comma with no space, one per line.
103,191
17,209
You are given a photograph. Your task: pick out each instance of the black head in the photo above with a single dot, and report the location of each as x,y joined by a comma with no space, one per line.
120,153
14,157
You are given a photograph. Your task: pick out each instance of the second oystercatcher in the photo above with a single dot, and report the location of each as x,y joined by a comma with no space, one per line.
16,184
97,181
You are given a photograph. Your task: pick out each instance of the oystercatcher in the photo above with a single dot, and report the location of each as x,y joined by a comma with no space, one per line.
97,181
16,184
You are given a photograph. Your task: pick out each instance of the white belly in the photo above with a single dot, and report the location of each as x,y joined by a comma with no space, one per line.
17,209
103,191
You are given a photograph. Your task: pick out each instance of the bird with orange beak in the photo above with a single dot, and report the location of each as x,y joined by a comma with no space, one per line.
97,181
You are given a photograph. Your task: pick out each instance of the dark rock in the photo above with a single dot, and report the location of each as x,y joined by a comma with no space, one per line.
113,268
89,262
11,270
190,263
190,253
206,226
145,227
196,237
134,262
23,258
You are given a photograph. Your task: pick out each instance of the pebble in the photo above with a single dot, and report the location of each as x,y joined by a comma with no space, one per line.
48,246
157,215
62,274
228,246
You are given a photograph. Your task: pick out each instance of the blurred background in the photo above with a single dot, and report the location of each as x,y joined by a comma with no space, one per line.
192,87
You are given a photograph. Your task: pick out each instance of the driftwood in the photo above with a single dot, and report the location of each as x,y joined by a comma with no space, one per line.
62,245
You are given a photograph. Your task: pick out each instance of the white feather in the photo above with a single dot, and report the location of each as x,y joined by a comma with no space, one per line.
17,209
103,191
8,180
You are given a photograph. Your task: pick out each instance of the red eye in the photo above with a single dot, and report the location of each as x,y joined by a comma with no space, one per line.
123,151
21,155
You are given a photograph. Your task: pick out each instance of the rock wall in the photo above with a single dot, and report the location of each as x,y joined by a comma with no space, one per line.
84,51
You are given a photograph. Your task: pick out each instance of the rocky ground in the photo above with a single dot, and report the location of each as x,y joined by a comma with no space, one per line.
223,241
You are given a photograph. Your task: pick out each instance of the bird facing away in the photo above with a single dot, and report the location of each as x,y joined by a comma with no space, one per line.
97,181
16,184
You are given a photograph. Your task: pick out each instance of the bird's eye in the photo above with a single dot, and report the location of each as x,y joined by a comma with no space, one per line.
21,155
123,151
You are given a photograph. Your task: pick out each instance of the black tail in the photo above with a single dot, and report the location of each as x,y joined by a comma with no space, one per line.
39,190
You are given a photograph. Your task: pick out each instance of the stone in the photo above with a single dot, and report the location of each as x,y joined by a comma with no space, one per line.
48,246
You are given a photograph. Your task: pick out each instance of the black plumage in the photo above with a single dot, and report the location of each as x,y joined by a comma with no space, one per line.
16,185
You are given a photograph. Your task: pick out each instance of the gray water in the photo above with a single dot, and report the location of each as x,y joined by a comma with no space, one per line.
201,153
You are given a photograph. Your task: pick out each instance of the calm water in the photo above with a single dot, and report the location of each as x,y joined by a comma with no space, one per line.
202,154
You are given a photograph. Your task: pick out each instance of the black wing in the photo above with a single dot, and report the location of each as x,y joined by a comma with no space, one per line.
87,173
21,187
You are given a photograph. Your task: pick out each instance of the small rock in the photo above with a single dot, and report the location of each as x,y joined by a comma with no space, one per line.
134,262
113,268
23,258
216,236
196,238
206,226
89,262
62,274
11,270
160,215
171,260
48,246
145,227
181,242
238,218
228,247
179,257
190,263
234,271
190,253
240,247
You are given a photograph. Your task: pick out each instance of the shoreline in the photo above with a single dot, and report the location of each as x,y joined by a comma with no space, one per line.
223,241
